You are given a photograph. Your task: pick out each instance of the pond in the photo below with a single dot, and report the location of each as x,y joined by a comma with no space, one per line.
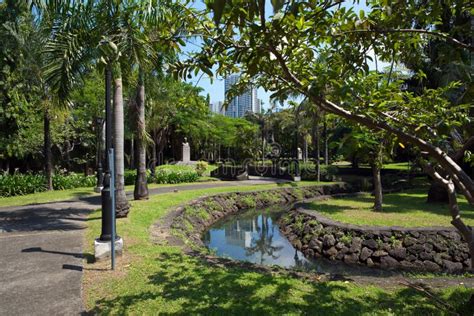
255,236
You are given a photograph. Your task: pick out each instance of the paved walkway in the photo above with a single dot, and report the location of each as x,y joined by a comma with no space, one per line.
41,252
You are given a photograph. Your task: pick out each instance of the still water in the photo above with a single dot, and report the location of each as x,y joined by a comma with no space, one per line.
254,236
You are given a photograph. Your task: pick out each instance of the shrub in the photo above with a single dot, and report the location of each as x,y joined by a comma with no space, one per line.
166,174
130,176
21,184
201,167
175,174
72,180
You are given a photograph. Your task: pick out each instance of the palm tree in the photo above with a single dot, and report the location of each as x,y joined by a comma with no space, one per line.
69,51
145,26
59,28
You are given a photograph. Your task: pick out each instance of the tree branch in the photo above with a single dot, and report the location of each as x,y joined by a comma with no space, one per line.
448,38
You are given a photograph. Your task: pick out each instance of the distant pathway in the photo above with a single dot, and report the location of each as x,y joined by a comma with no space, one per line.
41,252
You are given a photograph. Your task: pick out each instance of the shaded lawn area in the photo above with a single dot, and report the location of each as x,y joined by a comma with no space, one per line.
408,209
160,279
47,196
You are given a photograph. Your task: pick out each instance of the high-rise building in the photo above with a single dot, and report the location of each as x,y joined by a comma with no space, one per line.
233,107
216,107
239,105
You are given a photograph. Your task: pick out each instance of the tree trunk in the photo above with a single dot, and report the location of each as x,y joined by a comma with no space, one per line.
376,165
437,192
121,203
47,151
466,231
132,152
326,149
318,153
377,187
153,156
141,186
67,146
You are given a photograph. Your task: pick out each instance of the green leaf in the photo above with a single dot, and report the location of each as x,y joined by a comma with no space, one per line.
218,9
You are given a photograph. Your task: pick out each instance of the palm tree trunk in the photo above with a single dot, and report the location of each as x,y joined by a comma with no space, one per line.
122,205
141,186
47,151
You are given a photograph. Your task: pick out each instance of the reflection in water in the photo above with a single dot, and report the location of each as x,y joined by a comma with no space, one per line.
254,237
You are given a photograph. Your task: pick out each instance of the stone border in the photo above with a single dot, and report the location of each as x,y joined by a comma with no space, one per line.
420,248
184,226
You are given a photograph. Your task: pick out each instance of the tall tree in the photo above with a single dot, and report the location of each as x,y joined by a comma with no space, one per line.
280,54
141,188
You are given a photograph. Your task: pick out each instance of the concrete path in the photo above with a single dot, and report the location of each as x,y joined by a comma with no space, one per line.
41,252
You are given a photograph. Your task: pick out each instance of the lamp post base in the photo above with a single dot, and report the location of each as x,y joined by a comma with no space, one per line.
98,189
102,248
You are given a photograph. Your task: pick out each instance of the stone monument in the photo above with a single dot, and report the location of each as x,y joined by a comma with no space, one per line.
186,152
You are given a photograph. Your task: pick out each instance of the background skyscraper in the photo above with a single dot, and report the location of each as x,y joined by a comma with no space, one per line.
246,102
216,107
233,107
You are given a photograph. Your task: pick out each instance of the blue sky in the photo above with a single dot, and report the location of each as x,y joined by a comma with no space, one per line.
216,88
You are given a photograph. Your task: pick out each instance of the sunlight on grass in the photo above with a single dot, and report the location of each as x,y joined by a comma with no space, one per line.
154,279
408,209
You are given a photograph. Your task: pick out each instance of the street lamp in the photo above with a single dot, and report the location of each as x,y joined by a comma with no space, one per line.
103,245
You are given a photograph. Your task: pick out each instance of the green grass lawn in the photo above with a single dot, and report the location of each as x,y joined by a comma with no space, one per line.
160,279
64,195
403,166
70,194
407,209
396,165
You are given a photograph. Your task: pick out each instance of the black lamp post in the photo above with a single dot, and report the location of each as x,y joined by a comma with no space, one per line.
99,123
106,233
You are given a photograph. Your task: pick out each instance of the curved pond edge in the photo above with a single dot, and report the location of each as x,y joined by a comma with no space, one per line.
183,226
432,249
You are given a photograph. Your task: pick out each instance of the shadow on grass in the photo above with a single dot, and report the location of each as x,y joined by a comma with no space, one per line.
192,287
284,184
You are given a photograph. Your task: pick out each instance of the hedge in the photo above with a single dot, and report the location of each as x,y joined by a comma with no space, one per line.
21,184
